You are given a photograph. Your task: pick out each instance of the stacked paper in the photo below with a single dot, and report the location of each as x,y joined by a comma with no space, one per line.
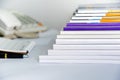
91,36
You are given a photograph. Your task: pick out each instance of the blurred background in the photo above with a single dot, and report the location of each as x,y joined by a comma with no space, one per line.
52,13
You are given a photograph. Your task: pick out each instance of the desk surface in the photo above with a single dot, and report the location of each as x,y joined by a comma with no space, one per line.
31,69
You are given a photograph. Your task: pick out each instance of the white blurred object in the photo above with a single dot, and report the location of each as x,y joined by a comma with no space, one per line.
16,23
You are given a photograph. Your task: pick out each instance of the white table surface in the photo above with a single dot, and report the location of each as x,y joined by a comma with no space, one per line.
31,69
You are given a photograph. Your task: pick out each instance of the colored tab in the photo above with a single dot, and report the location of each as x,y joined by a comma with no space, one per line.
110,20
5,55
114,11
111,17
113,14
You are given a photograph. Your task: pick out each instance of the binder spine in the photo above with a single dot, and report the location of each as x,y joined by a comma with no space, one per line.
10,55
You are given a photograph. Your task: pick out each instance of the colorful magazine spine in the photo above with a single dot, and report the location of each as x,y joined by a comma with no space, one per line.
91,28
92,24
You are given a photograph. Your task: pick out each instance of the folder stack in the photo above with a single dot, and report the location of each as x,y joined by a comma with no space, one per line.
91,36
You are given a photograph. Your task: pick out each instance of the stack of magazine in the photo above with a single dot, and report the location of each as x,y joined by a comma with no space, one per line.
91,36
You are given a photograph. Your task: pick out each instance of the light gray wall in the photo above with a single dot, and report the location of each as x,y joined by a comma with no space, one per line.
53,13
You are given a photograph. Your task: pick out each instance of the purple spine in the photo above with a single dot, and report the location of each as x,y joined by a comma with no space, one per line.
93,24
89,28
